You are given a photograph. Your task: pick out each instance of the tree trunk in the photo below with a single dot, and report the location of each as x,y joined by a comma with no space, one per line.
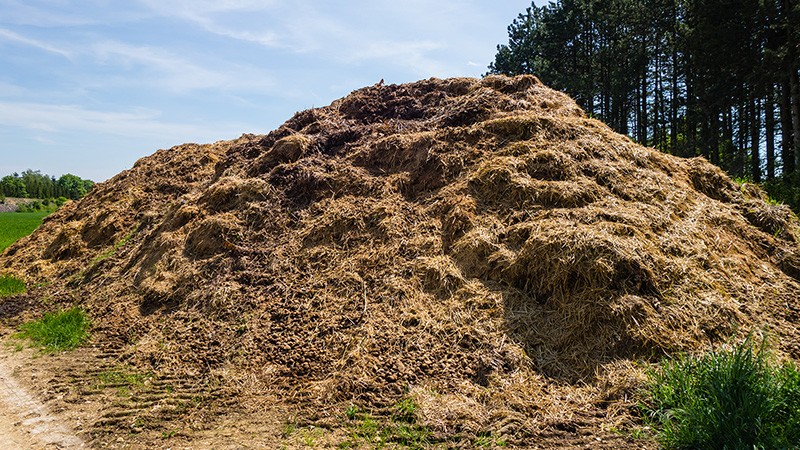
795,99
769,128
713,138
755,141
673,129
787,141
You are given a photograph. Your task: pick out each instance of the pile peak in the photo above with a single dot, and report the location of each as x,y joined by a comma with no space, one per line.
478,244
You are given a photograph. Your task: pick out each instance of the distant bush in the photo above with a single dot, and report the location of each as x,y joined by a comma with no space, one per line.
47,205
736,399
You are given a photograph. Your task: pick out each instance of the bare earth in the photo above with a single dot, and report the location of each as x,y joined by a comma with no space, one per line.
25,422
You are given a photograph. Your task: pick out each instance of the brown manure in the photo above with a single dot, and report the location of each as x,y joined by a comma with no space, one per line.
478,246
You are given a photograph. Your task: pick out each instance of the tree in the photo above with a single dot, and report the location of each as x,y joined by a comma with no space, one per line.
717,78
73,187
13,186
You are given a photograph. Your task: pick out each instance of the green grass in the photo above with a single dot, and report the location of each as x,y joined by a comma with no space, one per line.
11,285
56,331
14,225
111,251
401,431
738,398
124,379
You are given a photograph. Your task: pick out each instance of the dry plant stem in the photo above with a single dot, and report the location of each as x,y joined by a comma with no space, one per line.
479,244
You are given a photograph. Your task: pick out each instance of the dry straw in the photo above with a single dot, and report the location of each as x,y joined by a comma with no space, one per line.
480,245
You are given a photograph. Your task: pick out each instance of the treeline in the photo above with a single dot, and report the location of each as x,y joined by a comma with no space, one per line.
34,184
717,78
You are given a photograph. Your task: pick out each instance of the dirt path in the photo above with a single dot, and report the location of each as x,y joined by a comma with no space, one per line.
25,422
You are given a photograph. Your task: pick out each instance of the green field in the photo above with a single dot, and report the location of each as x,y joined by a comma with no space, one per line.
14,225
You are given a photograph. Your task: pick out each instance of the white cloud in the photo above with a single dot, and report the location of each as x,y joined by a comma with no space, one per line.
47,119
41,14
18,38
165,69
206,14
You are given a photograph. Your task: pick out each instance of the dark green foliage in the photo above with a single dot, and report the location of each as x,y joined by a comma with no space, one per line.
713,78
11,285
33,184
735,399
60,330
73,187
784,190
13,186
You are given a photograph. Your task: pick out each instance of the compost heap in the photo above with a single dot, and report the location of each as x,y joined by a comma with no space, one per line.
479,244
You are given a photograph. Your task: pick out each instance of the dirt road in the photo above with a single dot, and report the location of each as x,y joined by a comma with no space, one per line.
25,422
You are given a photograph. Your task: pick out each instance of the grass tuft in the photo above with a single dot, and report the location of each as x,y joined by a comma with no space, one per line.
11,285
61,330
734,398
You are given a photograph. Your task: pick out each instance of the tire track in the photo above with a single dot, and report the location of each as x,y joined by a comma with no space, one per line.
26,422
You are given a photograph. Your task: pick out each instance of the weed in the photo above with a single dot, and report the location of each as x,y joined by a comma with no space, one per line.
351,412
168,434
369,428
121,376
483,441
640,433
56,331
288,429
735,398
402,430
406,411
123,379
410,435
487,440
138,423
11,285
310,435
111,251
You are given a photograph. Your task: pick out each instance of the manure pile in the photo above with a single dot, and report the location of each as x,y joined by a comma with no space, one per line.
480,246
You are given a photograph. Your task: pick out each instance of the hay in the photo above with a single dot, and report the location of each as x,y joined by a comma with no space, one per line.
480,244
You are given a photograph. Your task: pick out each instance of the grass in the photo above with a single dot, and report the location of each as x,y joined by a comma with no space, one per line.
111,251
57,331
732,398
14,225
402,430
11,285
123,379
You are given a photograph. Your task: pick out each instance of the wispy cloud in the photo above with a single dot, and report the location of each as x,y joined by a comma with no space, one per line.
207,15
159,67
347,34
46,119
20,39
45,13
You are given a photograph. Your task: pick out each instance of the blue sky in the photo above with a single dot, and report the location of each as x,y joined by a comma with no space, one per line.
90,86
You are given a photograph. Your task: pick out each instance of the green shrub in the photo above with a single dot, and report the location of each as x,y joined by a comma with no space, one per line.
11,285
734,399
60,330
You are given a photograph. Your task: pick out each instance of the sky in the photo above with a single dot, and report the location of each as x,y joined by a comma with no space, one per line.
89,86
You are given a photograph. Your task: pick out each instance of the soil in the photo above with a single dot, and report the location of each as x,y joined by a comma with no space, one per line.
25,421
478,248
